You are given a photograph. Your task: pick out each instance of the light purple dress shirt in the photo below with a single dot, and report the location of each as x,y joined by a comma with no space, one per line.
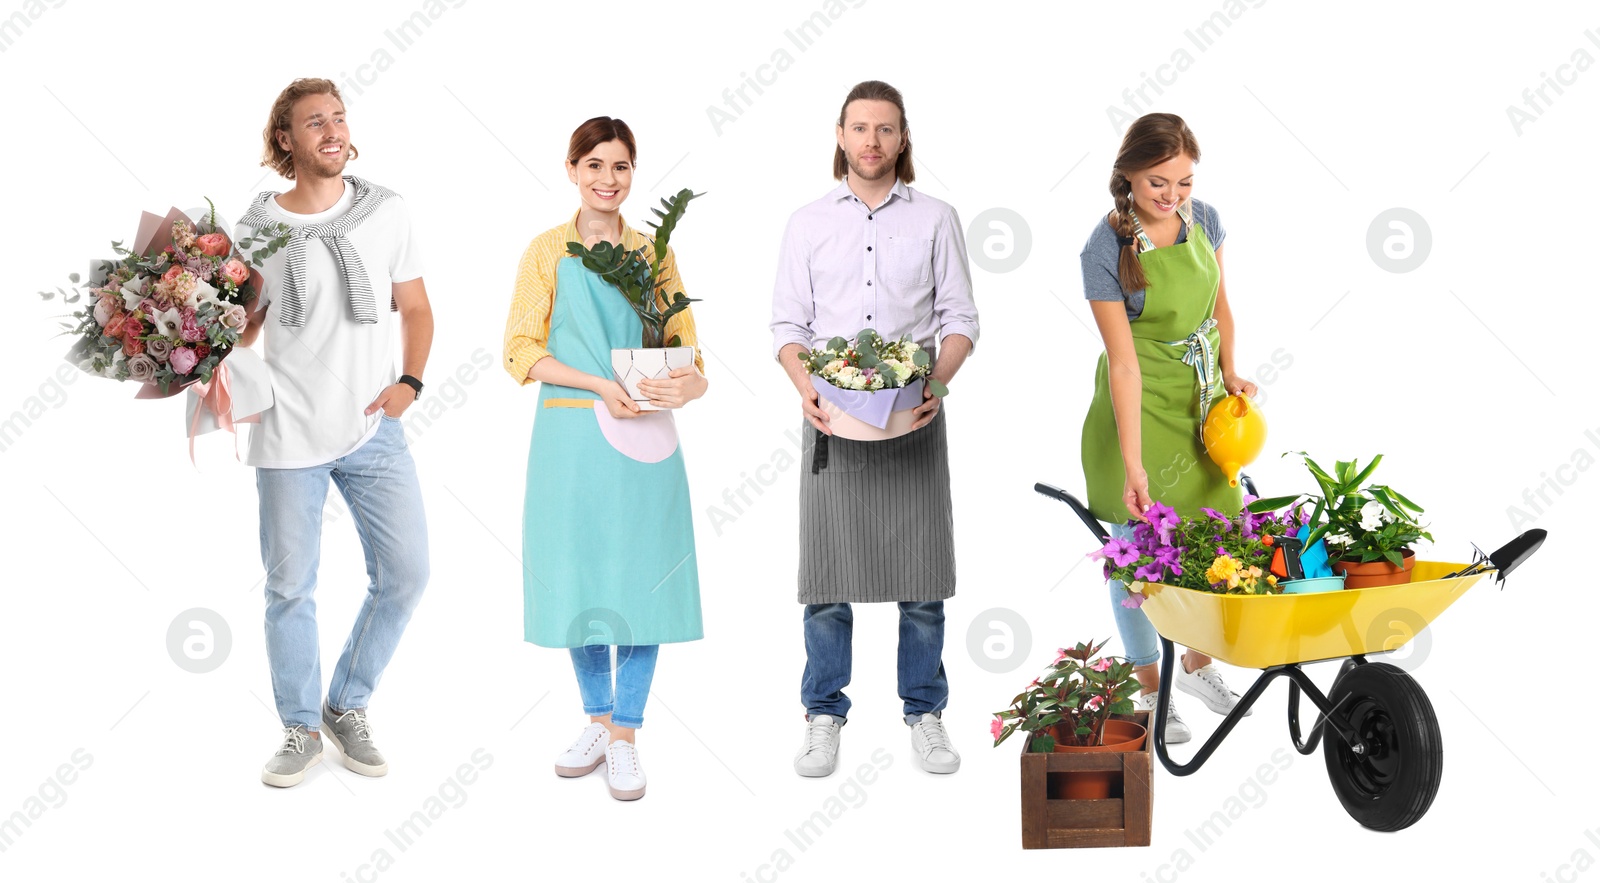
899,268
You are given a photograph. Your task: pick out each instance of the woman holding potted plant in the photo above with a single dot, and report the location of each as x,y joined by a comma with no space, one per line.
608,539
1152,271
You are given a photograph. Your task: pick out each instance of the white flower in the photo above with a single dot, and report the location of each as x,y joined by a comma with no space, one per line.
132,293
1372,515
901,370
833,367
204,294
168,322
858,381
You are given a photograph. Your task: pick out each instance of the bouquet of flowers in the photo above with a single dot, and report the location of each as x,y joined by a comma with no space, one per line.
1070,703
167,312
869,363
1208,553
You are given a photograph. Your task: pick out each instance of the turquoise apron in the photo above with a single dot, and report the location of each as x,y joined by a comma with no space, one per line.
608,533
1175,339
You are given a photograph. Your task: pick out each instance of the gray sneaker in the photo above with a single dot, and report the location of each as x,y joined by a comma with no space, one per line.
300,752
354,738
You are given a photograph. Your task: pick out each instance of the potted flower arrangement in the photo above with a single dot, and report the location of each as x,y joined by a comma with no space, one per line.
1209,553
1369,530
647,290
869,385
1069,709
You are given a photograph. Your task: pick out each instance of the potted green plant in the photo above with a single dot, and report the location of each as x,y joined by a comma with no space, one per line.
1069,709
1369,530
647,290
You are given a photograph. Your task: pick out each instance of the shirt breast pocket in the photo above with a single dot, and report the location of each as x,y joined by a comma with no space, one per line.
908,260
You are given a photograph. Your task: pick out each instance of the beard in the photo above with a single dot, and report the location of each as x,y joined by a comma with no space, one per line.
860,174
308,162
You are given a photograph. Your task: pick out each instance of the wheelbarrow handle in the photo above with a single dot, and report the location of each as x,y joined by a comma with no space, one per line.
1084,515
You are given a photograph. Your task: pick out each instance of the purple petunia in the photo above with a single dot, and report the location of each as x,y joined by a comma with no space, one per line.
1120,552
1133,600
1150,572
1212,513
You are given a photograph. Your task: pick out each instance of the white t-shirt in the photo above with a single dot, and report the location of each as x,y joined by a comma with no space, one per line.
325,373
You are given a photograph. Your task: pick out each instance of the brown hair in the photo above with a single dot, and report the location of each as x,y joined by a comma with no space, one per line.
876,90
597,131
1152,140
273,155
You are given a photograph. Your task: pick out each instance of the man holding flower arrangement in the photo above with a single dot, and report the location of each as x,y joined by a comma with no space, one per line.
335,417
874,254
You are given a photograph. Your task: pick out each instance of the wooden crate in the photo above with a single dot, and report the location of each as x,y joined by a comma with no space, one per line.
1120,820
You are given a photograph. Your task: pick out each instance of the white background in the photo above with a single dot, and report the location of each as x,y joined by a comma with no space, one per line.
1472,374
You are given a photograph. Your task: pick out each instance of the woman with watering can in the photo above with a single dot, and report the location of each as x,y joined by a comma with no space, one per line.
1152,271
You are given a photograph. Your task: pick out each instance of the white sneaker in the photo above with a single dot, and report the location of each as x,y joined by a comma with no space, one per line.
588,752
1205,683
930,745
623,772
1177,730
819,754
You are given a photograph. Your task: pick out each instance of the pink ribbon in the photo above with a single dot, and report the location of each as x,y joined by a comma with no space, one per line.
216,397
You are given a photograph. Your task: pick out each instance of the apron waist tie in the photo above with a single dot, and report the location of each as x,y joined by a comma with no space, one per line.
819,452
1197,353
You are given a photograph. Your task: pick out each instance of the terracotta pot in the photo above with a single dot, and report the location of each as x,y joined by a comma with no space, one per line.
1119,736
1365,575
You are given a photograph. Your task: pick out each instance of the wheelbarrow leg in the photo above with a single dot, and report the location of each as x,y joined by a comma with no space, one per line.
1299,680
1164,696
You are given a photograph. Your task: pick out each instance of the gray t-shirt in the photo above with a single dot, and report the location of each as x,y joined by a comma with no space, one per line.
1101,254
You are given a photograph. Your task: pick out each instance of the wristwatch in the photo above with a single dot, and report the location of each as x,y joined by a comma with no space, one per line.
412,382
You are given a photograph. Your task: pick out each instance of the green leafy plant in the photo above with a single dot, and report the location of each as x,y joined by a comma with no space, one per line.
640,279
1072,699
1370,523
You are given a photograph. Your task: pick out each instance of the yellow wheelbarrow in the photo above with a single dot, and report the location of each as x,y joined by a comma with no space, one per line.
1383,749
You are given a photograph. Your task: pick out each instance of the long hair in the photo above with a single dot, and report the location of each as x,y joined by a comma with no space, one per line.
273,155
1152,140
876,90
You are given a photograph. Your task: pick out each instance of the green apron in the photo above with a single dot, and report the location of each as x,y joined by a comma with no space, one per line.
1176,340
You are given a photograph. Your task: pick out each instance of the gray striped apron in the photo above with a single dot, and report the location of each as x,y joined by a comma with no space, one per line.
875,519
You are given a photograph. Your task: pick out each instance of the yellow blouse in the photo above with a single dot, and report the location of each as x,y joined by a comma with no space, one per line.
528,325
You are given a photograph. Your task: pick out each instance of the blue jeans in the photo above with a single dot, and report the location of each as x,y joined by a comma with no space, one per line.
920,671
1140,643
636,666
379,483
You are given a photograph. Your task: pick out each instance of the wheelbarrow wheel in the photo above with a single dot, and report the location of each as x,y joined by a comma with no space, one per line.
1392,782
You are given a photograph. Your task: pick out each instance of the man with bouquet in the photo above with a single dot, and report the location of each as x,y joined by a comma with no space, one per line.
875,516
335,418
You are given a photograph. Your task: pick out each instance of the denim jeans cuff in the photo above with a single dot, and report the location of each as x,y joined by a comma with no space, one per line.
632,724
597,710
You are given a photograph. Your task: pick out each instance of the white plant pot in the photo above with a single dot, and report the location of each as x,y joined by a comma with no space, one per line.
633,365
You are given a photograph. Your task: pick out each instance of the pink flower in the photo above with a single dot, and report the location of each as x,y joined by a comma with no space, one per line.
1094,703
174,272
235,317
107,306
141,368
1133,600
214,244
236,272
1101,665
1060,655
131,344
183,359
114,327
158,349
995,726
191,330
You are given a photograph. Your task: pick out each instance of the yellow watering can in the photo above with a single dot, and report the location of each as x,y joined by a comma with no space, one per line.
1234,434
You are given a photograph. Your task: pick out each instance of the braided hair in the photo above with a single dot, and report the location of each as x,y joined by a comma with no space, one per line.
1152,140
